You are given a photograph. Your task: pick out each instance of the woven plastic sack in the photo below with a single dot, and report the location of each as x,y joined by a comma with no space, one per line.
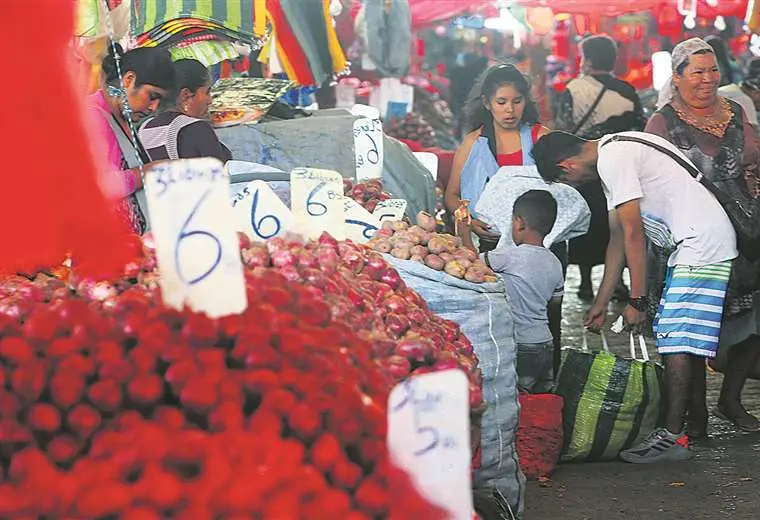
485,317
540,434
496,203
611,403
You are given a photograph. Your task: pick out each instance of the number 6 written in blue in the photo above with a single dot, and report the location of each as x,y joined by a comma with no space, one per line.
368,231
183,234
258,225
318,205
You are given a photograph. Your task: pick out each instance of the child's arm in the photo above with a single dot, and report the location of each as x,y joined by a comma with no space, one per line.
465,233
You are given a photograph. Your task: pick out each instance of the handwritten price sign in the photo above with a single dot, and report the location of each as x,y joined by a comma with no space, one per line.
368,146
259,212
361,225
429,436
317,202
391,209
196,247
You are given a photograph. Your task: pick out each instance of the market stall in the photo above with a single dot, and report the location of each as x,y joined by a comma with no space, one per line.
255,354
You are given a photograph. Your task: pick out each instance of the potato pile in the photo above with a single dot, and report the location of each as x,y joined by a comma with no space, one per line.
439,251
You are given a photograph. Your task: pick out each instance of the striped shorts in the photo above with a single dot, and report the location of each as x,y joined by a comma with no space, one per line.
691,309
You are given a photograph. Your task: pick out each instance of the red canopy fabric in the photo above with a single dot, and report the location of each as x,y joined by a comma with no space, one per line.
619,7
429,12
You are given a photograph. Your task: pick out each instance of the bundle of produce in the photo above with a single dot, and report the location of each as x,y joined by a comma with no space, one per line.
438,251
412,127
134,410
367,194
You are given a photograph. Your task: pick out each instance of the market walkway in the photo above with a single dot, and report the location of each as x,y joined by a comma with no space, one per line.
722,480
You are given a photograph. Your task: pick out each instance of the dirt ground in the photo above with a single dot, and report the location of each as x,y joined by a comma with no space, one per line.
722,481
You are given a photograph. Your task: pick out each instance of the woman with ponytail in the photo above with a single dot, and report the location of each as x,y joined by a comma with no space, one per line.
502,121
131,91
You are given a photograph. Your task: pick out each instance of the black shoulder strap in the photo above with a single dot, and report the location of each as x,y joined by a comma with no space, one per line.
590,110
680,160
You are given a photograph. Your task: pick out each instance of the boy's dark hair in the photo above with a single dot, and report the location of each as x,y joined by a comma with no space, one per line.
152,66
601,51
538,209
552,149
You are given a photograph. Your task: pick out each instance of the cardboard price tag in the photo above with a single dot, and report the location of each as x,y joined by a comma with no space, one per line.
361,225
429,436
368,146
259,212
316,201
391,209
197,247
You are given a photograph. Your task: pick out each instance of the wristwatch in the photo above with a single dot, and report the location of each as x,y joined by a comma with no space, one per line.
641,303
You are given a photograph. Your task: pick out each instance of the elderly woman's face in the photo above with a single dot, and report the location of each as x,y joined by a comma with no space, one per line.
698,85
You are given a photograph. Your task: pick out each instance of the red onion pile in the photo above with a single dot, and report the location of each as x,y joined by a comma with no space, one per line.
113,405
438,251
145,412
367,194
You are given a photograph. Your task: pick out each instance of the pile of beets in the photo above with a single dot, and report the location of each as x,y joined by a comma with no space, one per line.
367,194
112,405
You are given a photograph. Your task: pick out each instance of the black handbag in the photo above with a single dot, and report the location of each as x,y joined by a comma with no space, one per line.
744,215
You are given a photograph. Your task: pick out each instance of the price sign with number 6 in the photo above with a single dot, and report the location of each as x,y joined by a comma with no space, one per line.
368,147
316,200
259,212
196,244
429,436
361,225
391,209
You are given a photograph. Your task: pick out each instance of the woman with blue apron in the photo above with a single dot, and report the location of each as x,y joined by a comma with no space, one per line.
503,125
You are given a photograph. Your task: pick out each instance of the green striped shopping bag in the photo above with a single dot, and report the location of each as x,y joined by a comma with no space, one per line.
611,402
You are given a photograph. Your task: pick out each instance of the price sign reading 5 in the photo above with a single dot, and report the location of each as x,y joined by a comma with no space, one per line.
361,225
196,244
429,436
259,212
368,147
316,199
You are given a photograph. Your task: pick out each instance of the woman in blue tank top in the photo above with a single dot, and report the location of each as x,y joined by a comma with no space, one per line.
503,125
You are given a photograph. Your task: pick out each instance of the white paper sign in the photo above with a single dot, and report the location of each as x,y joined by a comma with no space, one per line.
361,225
316,201
391,209
429,436
259,212
430,161
368,146
197,247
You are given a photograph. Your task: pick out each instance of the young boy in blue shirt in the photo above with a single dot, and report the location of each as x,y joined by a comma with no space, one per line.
534,278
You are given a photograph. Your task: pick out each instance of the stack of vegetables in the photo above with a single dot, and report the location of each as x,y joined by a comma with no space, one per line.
367,194
113,405
439,251
412,127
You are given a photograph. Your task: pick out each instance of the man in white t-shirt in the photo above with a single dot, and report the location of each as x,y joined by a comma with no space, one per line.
648,193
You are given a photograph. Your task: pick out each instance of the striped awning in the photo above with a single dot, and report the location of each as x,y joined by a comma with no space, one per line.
207,52
234,15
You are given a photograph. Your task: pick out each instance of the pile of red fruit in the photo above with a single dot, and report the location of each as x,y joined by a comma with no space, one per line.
412,127
367,194
113,405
